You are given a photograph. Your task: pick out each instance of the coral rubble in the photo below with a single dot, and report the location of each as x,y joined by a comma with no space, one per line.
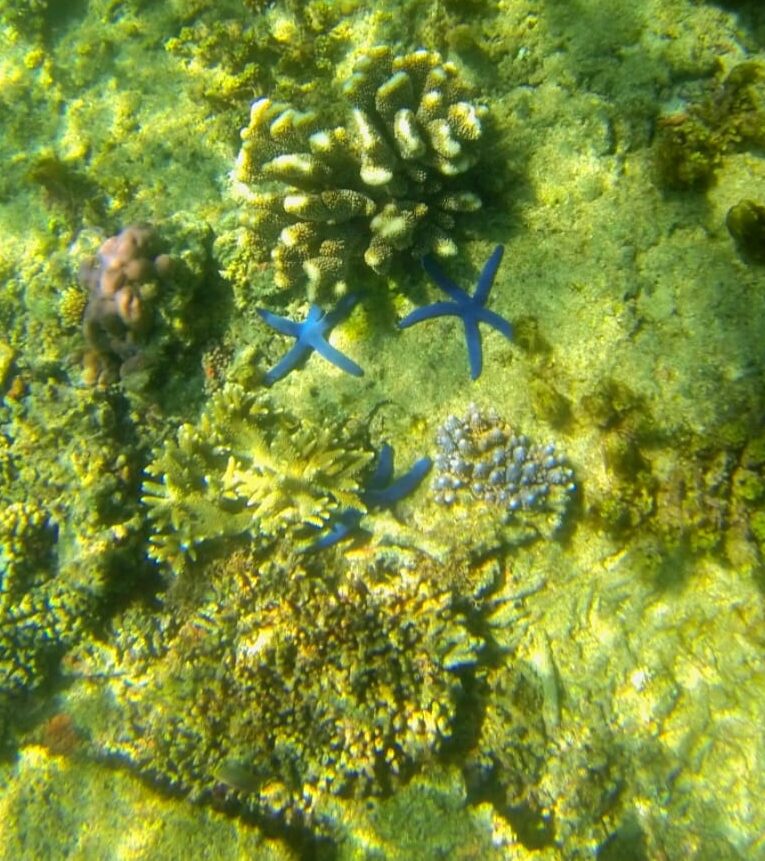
386,181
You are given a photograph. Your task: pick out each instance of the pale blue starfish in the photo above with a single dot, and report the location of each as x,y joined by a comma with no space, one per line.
380,492
311,335
470,309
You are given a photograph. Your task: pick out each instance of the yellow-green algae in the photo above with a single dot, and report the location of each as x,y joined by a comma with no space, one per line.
619,709
114,817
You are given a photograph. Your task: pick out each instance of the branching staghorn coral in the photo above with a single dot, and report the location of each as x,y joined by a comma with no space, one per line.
246,468
386,181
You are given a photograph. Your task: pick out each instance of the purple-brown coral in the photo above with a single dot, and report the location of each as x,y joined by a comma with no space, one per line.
122,283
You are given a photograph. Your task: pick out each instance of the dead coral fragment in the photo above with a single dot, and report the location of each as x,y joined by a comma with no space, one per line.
384,182
246,468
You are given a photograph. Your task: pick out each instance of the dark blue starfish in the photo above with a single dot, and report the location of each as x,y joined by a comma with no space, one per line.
470,309
311,335
380,492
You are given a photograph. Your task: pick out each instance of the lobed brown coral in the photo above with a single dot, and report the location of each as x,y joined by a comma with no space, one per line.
121,282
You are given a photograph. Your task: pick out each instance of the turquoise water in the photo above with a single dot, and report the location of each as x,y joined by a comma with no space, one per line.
387,601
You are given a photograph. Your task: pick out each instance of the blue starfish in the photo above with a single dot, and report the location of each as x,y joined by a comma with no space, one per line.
380,492
311,335
470,309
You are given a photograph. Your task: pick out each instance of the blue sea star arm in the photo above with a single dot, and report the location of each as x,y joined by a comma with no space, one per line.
289,361
318,340
281,324
387,497
340,360
311,334
346,523
427,312
439,277
491,318
470,309
475,354
487,276
343,308
473,335
383,468
380,492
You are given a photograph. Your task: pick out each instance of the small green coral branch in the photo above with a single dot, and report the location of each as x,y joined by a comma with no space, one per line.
246,468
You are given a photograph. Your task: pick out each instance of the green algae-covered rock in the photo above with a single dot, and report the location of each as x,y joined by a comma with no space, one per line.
56,807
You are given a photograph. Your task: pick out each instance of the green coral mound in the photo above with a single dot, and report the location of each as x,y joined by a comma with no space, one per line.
246,468
39,614
386,181
283,686
61,552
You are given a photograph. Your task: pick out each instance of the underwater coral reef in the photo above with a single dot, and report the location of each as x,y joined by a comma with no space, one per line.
226,621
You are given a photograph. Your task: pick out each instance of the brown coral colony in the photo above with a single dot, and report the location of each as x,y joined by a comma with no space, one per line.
121,281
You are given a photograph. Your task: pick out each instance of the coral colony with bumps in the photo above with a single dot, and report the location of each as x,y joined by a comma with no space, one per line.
122,284
387,181
481,457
